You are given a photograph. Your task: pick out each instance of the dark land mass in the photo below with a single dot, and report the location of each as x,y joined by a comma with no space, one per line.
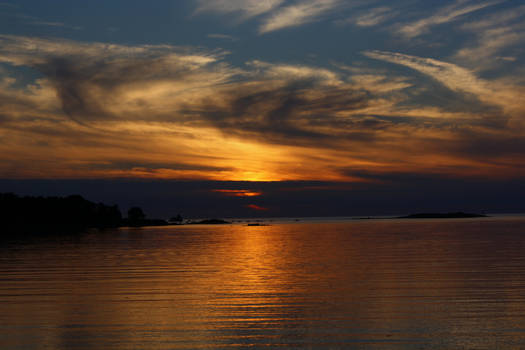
72,214
28,215
457,215
64,215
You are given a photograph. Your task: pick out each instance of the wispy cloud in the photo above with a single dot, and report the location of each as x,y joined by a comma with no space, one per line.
54,24
458,79
91,92
8,4
31,20
104,110
256,207
278,14
298,14
370,17
245,8
87,86
222,37
490,43
494,34
445,15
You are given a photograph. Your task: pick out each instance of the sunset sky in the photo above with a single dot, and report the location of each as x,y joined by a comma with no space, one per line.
243,104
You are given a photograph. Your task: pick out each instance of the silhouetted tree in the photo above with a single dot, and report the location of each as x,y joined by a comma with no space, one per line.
177,218
136,216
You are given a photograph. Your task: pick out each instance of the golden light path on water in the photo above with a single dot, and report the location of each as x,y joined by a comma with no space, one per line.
386,284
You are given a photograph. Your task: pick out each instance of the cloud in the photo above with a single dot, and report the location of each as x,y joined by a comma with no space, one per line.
298,14
245,8
278,14
31,20
155,111
7,4
445,15
147,111
54,24
458,79
275,14
380,83
239,193
102,110
98,81
282,104
371,17
490,43
374,17
256,207
222,37
494,34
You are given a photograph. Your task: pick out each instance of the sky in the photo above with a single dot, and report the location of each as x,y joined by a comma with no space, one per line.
239,106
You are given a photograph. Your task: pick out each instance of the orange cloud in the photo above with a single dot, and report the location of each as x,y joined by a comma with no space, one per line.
279,123
256,207
239,193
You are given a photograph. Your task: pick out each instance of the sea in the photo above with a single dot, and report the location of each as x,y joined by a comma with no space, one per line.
324,283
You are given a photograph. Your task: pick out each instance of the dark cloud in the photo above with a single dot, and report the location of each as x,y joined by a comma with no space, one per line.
26,109
88,87
91,80
283,114
152,166
87,90
447,100
490,146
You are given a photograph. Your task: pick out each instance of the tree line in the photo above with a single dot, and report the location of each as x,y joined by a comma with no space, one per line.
41,214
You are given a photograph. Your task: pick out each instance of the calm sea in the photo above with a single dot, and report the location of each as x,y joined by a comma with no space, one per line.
385,284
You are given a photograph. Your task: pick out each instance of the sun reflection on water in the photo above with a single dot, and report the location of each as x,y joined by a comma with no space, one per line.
366,285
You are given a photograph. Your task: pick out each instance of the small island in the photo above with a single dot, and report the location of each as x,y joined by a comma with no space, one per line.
456,215
453,215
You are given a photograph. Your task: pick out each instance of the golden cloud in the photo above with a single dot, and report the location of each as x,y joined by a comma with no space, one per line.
99,110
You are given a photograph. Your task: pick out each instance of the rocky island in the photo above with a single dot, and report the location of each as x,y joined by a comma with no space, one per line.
456,215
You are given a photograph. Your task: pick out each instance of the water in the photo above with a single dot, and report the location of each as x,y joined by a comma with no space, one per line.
386,284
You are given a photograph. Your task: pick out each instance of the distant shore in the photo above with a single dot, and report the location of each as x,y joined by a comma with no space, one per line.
456,215
65,215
